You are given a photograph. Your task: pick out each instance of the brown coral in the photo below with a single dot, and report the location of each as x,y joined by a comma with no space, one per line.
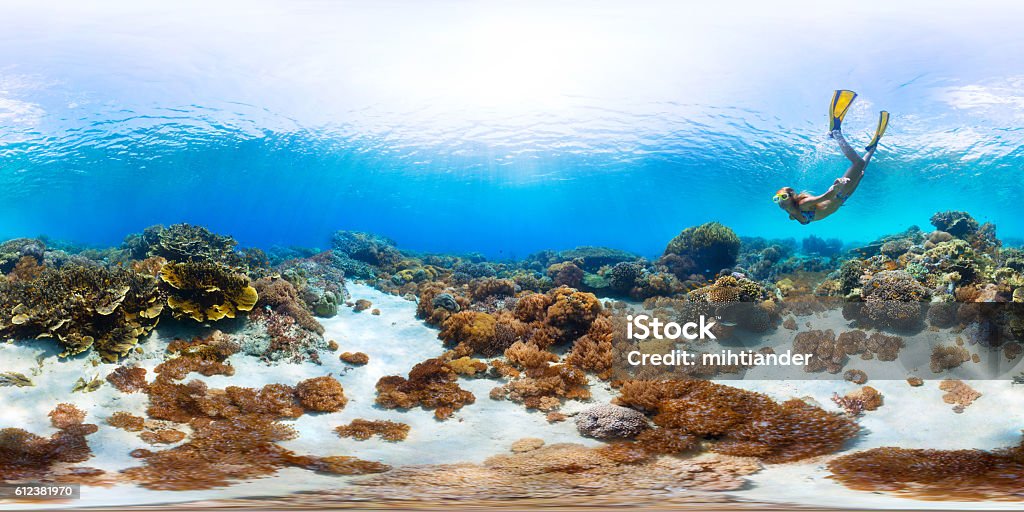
126,421
738,422
361,305
430,384
162,436
128,380
26,456
281,296
945,357
958,393
364,429
948,475
354,358
321,394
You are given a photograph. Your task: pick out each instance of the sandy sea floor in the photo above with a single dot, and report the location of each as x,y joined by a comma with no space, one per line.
912,417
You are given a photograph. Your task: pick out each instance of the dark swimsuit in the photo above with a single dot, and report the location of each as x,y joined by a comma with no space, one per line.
808,215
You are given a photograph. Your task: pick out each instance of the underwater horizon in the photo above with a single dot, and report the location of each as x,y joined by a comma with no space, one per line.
500,129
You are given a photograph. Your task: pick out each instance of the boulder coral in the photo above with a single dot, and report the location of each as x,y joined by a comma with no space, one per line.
711,246
894,299
608,421
82,307
206,291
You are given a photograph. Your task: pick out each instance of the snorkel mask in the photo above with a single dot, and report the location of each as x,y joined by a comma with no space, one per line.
780,197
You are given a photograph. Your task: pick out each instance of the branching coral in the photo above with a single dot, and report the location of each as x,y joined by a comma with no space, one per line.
83,307
736,421
430,384
364,429
958,393
206,291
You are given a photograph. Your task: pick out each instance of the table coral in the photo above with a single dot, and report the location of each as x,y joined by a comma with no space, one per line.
206,291
185,242
364,429
82,307
738,422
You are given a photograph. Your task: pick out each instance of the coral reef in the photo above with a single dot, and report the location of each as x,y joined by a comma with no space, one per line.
608,421
82,307
711,246
184,243
856,402
12,252
364,429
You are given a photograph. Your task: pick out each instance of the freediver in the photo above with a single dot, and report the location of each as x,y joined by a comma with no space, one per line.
806,208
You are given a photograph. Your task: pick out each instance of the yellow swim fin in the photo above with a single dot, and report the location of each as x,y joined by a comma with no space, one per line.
841,101
883,123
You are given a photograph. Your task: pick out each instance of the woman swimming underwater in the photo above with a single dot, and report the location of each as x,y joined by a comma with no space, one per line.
805,208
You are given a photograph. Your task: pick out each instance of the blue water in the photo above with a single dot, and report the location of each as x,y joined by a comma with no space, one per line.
500,127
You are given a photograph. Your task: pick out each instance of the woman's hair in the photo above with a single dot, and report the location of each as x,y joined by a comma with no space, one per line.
793,195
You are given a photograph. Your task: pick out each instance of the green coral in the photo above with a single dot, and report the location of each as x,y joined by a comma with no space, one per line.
711,246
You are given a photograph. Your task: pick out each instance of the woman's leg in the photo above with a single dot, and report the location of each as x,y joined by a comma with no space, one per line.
850,153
